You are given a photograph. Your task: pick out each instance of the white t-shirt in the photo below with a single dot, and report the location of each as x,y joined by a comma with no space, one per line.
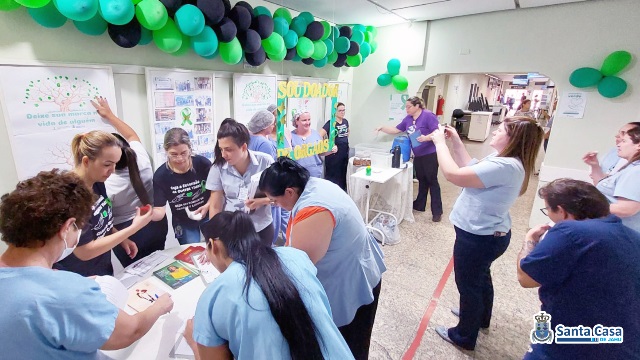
120,190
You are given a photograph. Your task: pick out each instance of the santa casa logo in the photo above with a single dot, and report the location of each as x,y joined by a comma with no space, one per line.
598,334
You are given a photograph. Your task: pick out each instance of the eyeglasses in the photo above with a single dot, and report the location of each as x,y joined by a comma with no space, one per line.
545,211
179,156
340,110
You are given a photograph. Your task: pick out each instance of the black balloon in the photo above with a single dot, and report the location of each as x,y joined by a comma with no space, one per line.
213,10
126,36
342,59
315,30
241,17
172,6
354,49
308,61
246,5
226,30
250,40
257,58
227,6
291,53
346,32
263,24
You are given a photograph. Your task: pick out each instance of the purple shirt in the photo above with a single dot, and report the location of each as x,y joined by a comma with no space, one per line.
427,123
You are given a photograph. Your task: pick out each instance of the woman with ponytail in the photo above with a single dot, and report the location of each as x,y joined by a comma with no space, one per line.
131,187
266,304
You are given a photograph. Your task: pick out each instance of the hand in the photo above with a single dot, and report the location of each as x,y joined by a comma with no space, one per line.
164,303
424,138
141,220
437,136
130,248
334,149
451,133
253,204
536,233
591,159
378,129
188,335
102,106
202,210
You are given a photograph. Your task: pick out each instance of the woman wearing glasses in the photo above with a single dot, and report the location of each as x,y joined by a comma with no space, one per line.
480,215
335,166
181,182
230,178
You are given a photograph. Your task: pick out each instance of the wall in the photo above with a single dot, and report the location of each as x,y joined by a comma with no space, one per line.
582,35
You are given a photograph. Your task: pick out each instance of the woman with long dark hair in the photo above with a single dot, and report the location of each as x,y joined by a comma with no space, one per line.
230,178
131,187
327,225
480,215
266,304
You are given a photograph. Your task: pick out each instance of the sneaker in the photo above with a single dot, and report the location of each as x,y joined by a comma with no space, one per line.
437,218
444,334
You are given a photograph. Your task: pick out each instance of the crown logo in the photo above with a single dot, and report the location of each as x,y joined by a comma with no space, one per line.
542,317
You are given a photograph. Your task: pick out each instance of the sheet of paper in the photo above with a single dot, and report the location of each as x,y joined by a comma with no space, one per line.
115,291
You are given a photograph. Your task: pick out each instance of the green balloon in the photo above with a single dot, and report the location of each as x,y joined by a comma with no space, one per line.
184,48
205,43
612,86
231,52
319,50
299,25
146,36
331,58
290,39
48,16
8,5
373,30
327,30
342,45
80,10
305,47
117,12
189,19
615,62
365,50
359,27
212,56
585,77
393,67
281,26
274,44
261,10
374,46
307,16
296,58
354,60
384,79
277,57
94,26
33,4
283,13
400,82
335,33
151,14
357,36
320,63
329,45
368,36
169,38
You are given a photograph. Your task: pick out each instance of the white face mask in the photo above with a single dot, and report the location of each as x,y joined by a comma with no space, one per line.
68,250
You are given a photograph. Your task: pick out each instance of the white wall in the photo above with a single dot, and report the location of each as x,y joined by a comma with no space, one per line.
578,34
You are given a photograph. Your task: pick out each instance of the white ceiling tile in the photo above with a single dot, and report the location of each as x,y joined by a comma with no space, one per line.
454,8
536,3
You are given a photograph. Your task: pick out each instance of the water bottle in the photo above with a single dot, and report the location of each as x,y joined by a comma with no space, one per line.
395,160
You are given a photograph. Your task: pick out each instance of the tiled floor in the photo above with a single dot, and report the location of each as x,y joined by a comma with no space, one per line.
416,265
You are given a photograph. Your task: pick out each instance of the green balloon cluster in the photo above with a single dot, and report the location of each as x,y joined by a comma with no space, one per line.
392,76
609,85
178,26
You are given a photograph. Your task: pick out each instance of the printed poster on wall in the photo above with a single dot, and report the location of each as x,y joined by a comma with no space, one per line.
572,104
46,106
252,93
397,107
181,98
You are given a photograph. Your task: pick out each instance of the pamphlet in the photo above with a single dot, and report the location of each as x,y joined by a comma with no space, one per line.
414,138
176,274
143,295
185,255
207,270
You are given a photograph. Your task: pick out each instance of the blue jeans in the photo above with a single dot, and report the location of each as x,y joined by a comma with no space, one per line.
472,259
188,233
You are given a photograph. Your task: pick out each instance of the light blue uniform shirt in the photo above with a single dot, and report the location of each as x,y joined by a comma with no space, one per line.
50,314
262,144
228,179
312,163
485,211
610,161
624,184
224,316
353,264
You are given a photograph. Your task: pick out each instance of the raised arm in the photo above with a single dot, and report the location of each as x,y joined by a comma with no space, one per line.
388,130
455,174
102,106
460,154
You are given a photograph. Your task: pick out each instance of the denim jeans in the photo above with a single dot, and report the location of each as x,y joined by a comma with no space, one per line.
189,234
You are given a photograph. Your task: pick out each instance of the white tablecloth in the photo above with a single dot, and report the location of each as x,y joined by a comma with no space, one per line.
395,196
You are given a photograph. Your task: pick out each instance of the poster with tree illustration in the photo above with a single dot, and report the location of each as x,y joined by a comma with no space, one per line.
252,93
185,99
45,106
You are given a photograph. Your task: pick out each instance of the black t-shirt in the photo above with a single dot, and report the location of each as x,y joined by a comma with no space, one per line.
342,137
182,190
98,226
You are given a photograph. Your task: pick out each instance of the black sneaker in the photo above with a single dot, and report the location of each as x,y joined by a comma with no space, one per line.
437,218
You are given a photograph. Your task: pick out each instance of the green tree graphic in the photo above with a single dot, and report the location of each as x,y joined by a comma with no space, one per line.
256,91
63,91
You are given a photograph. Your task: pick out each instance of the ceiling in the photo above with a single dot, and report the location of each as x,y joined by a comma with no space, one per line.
389,12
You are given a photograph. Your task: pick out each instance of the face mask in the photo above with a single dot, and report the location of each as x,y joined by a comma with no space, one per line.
68,250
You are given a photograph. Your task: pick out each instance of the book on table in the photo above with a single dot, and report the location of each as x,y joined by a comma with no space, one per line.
176,274
143,295
185,255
